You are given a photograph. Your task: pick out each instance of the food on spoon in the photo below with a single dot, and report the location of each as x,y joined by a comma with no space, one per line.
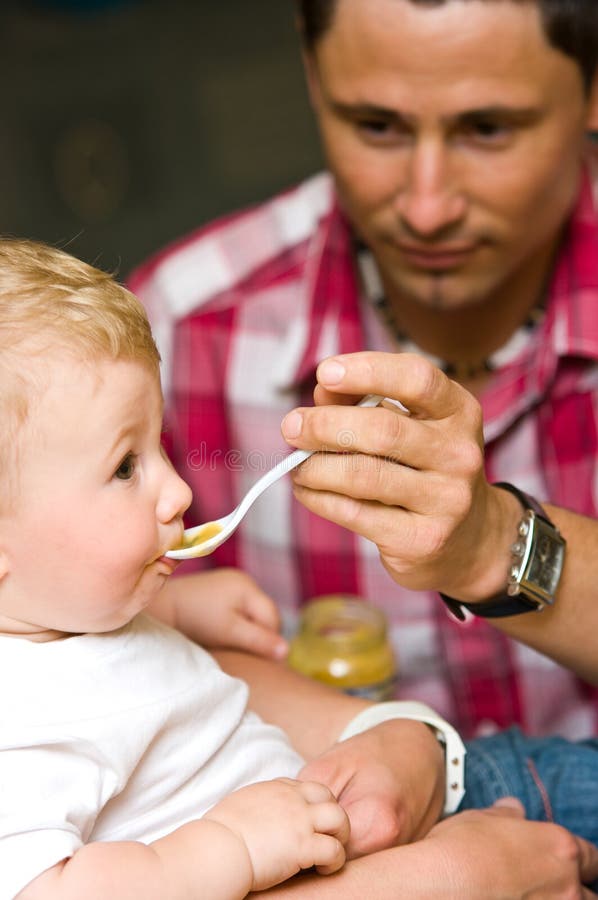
207,531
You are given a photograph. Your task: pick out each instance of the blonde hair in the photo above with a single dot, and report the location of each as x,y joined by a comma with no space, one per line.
50,301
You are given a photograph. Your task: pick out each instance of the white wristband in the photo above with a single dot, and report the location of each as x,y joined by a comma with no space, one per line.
454,749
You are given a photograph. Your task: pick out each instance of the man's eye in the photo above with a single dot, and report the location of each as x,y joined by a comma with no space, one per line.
383,131
488,130
378,129
126,469
376,126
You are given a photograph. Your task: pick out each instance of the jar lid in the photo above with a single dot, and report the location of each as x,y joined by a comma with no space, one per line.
343,620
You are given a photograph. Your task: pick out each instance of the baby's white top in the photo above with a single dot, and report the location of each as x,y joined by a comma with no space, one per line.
118,736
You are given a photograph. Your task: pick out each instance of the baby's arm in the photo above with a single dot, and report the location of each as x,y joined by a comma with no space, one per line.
222,608
255,838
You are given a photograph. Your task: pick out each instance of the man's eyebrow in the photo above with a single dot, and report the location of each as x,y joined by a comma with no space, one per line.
364,110
516,115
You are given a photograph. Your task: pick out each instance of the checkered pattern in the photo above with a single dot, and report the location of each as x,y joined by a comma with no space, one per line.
244,309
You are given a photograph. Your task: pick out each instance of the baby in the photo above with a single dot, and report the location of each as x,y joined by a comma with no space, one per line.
119,737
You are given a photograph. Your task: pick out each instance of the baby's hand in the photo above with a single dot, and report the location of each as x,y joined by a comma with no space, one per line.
226,608
285,826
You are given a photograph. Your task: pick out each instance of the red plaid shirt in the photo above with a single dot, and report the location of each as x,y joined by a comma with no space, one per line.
244,309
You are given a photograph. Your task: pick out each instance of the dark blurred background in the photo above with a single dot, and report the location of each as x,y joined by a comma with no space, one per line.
126,123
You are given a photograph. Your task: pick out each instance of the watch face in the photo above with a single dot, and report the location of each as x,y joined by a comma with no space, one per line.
544,565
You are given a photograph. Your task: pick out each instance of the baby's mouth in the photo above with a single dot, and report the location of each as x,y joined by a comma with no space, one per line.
168,563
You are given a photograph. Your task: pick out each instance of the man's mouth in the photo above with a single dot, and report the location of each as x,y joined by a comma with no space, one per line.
438,256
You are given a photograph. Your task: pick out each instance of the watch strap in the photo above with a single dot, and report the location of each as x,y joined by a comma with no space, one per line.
504,604
454,748
496,608
526,500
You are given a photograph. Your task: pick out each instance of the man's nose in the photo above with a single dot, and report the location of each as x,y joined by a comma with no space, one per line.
430,201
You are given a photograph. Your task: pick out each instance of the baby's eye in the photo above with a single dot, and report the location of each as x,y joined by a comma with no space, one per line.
126,469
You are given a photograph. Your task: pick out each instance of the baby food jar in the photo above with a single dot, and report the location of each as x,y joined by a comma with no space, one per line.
343,641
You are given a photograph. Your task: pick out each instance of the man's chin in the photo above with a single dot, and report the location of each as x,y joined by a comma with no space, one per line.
441,291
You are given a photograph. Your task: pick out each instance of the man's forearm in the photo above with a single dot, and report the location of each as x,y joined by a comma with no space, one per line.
566,631
312,714
410,872
494,853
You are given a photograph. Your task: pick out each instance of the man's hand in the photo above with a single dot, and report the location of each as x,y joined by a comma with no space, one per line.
390,781
514,858
414,482
224,608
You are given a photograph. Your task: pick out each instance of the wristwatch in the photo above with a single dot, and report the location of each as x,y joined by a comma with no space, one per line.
538,557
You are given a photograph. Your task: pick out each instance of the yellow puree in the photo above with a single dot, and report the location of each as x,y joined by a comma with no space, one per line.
207,531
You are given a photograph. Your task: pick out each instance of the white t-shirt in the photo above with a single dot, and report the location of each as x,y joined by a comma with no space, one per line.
118,736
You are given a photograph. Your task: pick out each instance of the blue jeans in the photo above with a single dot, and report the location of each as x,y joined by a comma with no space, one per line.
555,779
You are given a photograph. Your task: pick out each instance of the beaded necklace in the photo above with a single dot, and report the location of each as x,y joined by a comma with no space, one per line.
460,371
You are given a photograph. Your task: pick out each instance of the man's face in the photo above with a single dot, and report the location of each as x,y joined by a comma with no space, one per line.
97,504
455,135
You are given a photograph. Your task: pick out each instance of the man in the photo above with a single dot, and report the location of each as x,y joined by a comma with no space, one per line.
458,220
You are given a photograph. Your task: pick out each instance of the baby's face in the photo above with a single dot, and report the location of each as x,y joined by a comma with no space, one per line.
98,504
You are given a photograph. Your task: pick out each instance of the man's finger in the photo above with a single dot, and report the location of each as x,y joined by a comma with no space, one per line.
408,377
510,806
588,864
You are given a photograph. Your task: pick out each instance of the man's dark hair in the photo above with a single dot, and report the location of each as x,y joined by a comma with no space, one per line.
570,26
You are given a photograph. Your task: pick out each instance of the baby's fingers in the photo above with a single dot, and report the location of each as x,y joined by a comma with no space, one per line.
313,791
328,854
253,637
261,608
327,815
331,818
332,829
